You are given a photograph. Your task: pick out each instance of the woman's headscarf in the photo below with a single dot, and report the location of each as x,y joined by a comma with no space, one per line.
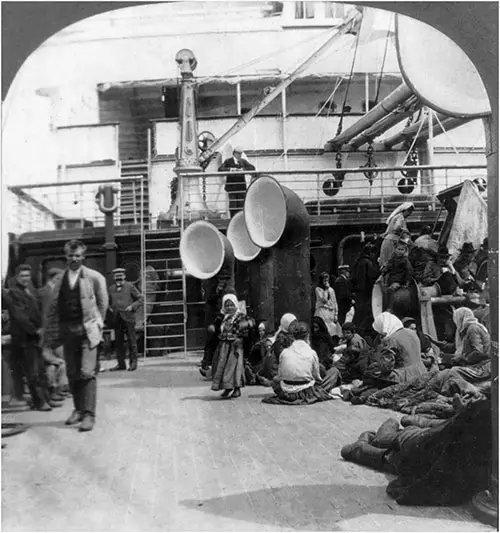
463,318
387,323
403,207
285,322
230,298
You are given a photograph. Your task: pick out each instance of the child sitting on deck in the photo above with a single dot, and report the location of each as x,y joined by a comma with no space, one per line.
398,272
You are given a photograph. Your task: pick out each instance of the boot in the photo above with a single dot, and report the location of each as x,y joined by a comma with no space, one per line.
419,421
236,393
75,418
367,436
87,423
133,365
386,434
205,372
364,454
118,367
226,393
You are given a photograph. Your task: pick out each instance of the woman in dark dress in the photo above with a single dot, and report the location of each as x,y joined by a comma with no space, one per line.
228,361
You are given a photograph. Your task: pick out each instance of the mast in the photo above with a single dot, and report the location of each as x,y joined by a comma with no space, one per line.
188,161
347,27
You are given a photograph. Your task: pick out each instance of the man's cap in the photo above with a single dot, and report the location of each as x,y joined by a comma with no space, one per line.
238,149
468,247
408,320
344,267
119,271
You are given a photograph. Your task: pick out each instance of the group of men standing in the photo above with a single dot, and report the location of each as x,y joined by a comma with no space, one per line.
57,330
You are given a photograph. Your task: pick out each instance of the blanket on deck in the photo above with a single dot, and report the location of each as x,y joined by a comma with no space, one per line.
432,395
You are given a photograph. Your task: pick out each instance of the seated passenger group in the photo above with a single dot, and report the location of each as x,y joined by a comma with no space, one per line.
354,355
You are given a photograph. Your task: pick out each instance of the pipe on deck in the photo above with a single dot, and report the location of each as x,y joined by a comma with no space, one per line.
383,125
449,123
387,105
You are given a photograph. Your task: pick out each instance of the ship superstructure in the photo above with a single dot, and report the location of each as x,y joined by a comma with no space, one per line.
111,98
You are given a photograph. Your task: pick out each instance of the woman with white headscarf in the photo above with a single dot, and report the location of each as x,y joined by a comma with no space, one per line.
278,342
399,358
396,231
472,340
228,361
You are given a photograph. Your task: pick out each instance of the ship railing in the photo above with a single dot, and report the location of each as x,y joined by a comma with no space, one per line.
349,190
71,204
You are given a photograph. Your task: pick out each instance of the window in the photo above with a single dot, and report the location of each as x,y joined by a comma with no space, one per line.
304,10
334,10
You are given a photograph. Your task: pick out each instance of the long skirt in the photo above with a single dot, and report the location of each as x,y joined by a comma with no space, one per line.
313,394
334,328
228,365
389,244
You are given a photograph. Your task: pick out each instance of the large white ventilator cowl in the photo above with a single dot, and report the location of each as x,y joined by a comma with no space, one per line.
265,211
237,233
203,250
438,71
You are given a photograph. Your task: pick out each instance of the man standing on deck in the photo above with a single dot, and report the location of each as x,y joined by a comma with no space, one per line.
343,292
75,315
236,186
125,299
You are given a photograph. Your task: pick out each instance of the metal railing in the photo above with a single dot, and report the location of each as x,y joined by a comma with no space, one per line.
72,204
50,206
337,191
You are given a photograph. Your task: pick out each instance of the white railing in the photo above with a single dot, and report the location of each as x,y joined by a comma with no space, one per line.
56,206
73,204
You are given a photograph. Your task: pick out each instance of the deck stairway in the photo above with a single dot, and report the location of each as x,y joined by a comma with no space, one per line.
130,194
166,327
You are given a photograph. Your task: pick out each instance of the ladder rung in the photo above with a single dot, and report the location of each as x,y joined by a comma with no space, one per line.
163,336
162,292
161,238
151,250
172,313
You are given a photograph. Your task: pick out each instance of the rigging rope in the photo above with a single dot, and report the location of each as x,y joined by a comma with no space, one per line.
444,131
259,59
341,121
383,60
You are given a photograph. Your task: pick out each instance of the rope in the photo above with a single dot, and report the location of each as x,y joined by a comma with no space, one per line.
262,58
414,140
330,98
444,131
341,121
383,60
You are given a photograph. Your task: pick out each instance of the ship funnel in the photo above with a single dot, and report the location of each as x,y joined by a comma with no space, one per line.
237,233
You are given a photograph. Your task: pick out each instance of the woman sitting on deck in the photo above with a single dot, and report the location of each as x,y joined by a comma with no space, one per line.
322,344
259,353
228,359
396,360
281,340
298,381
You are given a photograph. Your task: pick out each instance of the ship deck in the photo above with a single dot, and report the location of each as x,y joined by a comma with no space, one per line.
167,454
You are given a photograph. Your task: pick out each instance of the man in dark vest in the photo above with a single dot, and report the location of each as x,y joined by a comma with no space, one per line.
236,186
342,287
75,315
125,299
